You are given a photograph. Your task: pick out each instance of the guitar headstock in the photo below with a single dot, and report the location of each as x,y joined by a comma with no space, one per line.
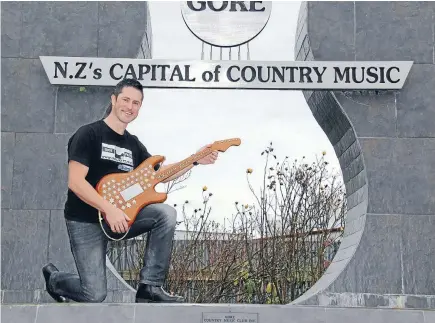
223,145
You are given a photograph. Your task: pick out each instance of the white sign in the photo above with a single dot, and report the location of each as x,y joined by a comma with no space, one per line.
229,317
298,75
226,23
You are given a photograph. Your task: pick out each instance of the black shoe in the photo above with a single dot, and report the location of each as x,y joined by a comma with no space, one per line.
154,294
47,270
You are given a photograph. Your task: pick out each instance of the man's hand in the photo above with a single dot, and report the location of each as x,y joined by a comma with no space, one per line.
117,220
210,158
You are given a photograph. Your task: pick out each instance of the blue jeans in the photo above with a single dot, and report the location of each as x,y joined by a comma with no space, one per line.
89,246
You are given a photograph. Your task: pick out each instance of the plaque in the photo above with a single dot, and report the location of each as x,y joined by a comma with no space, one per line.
229,317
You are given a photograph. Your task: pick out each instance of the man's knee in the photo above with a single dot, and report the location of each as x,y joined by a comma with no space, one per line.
169,214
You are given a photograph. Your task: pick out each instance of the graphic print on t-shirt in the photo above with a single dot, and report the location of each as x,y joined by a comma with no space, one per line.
116,154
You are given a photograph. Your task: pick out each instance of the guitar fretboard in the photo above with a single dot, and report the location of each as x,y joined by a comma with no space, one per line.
183,164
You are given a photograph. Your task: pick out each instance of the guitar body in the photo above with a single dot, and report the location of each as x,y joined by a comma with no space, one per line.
134,190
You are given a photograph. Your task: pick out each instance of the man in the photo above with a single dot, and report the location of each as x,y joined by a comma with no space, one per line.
95,150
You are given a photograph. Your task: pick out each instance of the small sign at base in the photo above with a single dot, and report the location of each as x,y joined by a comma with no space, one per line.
228,317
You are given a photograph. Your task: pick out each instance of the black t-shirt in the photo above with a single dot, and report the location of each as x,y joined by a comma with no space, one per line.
104,151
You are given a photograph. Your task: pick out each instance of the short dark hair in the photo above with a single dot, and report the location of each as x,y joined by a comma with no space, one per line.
127,83
118,89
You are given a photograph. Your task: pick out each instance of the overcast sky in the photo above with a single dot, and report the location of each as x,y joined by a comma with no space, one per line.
176,123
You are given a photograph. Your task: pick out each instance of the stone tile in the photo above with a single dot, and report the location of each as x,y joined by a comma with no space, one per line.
379,159
375,267
302,43
355,225
329,116
357,197
429,316
307,94
76,108
18,314
350,239
283,314
350,154
356,183
162,314
301,30
40,171
27,96
340,123
336,267
413,176
416,103
11,27
119,296
115,313
371,116
59,29
373,300
325,281
23,296
344,254
345,142
401,175
312,300
59,249
88,313
419,301
124,40
418,252
24,248
356,213
149,29
141,53
355,167
368,315
8,144
306,314
377,24
148,35
336,42
146,47
115,281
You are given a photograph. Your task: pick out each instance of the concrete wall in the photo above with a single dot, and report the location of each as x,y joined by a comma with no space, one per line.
199,313
385,142
37,121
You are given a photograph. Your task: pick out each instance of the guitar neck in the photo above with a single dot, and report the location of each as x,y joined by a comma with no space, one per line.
177,167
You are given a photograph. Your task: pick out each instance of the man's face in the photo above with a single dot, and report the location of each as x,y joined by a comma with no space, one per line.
126,106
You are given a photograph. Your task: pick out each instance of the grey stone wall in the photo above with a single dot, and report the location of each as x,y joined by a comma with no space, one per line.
385,142
37,121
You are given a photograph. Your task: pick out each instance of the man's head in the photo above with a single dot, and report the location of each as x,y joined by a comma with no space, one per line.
127,100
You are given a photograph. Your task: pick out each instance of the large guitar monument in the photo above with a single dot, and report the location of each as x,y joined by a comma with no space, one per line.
383,133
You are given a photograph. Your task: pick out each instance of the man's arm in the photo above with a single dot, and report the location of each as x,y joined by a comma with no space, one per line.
80,186
80,148
77,183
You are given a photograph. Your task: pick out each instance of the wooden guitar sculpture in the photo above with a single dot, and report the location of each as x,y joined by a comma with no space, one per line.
134,190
